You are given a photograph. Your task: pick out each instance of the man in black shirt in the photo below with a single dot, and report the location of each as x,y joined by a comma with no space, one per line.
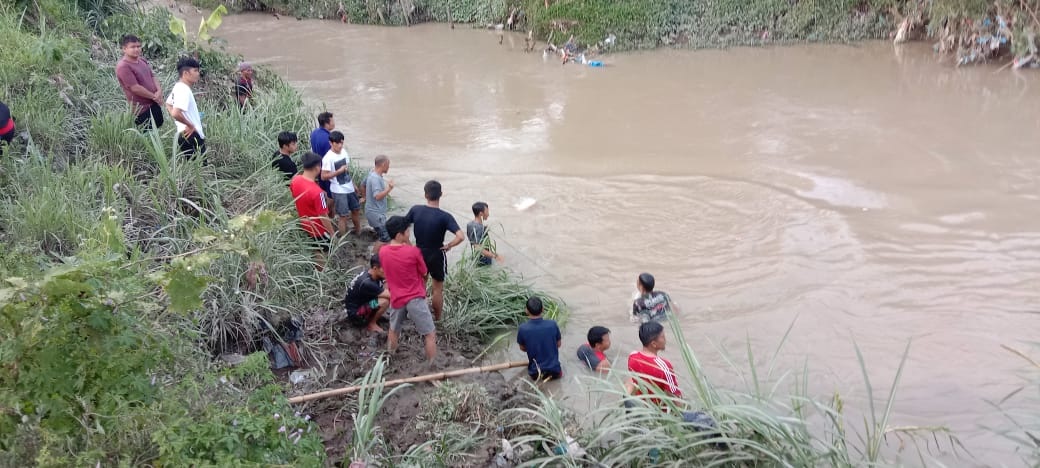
430,223
283,161
367,297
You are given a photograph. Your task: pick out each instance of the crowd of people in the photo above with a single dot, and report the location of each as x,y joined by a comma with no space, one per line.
394,287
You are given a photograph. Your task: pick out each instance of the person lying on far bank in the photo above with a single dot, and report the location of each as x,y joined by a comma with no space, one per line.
367,297
650,306
593,353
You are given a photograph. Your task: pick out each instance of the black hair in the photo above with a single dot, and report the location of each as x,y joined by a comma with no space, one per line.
324,118
432,189
479,208
286,138
647,280
336,137
186,63
534,306
374,261
396,225
128,39
596,335
381,159
649,331
310,159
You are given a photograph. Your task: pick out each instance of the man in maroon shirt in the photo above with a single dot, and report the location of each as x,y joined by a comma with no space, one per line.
139,84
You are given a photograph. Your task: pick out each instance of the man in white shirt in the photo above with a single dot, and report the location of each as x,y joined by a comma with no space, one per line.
335,168
185,112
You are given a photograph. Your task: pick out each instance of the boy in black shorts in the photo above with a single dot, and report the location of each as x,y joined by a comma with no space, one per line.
430,223
367,297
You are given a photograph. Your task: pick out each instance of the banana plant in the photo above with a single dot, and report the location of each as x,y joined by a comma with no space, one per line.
207,25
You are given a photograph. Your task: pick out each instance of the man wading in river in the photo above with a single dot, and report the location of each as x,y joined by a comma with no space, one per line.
431,222
651,305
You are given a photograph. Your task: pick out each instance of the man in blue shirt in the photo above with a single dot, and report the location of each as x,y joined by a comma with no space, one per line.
321,145
320,136
541,339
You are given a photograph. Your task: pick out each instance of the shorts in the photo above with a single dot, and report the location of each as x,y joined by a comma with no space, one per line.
346,202
436,263
363,314
418,311
145,118
191,146
378,222
483,261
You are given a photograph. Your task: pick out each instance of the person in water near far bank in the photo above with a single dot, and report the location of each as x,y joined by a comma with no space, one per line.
650,306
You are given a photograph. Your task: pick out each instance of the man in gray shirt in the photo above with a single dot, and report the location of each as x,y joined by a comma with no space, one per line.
378,189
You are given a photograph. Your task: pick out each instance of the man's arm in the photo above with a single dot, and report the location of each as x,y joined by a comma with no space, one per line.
179,116
328,224
385,192
127,77
158,89
603,366
459,237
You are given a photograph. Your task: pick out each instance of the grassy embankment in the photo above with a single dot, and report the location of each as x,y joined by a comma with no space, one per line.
125,269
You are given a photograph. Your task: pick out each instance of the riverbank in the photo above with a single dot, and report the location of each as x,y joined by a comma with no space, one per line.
970,32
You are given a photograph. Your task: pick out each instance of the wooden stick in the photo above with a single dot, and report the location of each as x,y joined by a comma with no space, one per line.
419,378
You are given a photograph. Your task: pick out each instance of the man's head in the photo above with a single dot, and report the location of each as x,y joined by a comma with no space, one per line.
382,164
534,306
336,141
651,334
432,189
645,283
188,70
311,163
287,142
397,228
131,46
481,209
375,268
245,69
326,121
599,338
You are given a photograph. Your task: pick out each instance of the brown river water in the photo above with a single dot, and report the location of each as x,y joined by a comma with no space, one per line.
864,193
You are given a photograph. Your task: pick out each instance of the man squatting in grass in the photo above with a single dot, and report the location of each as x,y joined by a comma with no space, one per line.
431,222
335,169
378,188
311,207
540,338
367,297
406,279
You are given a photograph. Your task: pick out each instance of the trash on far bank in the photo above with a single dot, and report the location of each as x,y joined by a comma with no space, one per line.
570,448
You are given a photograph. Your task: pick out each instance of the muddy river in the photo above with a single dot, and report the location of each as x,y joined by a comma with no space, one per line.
864,193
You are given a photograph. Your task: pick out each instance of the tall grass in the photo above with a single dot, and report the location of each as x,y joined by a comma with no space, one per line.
758,425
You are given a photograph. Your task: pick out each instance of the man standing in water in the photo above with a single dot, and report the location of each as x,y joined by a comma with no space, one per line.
139,84
651,305
476,231
593,353
181,103
540,338
650,369
406,279
431,222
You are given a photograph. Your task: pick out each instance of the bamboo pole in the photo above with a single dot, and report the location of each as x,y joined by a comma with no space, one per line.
416,379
